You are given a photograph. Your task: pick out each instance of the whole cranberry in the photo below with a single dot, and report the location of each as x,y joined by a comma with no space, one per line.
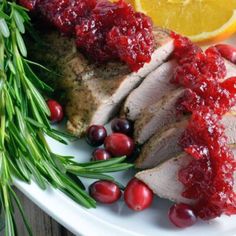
96,135
182,215
119,145
137,195
29,4
100,154
227,51
136,152
120,125
55,110
105,191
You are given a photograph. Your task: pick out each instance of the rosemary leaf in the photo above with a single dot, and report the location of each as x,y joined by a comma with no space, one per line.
19,21
4,28
24,151
20,43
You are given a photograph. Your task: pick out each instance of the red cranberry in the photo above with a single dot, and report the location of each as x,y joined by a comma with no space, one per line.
182,215
29,4
119,125
55,110
100,154
227,51
105,191
119,145
138,196
96,135
132,158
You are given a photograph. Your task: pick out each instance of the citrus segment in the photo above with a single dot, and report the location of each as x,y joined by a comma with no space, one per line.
198,19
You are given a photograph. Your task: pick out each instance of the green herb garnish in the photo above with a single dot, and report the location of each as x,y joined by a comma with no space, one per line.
24,152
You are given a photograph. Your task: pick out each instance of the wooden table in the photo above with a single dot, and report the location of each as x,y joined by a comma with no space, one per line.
42,224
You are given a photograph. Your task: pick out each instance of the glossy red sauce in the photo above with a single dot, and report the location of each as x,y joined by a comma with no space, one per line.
65,14
115,30
209,177
104,30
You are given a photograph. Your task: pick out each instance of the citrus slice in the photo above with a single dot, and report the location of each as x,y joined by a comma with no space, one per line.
200,20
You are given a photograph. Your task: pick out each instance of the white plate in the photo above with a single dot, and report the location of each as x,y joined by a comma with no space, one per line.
116,219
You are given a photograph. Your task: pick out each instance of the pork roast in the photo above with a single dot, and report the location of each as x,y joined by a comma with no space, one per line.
94,93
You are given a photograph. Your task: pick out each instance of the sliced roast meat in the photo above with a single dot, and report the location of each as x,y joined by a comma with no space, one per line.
163,146
163,179
157,116
94,93
164,48
154,87
150,90
162,113
98,98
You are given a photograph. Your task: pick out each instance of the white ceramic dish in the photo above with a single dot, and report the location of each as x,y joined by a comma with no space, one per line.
116,219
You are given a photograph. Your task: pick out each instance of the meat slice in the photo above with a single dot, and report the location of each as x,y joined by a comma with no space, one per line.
164,48
163,179
157,116
154,87
150,90
163,146
163,112
94,93
98,98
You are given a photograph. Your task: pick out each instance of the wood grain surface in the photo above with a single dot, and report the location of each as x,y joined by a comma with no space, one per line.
42,224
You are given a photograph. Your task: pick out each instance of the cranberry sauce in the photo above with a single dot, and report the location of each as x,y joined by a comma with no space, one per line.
103,30
115,30
203,73
65,14
209,177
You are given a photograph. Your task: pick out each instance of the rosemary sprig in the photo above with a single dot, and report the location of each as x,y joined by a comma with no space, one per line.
24,152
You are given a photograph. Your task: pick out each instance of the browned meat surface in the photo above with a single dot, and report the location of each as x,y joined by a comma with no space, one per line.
94,93
150,90
163,179
163,146
97,94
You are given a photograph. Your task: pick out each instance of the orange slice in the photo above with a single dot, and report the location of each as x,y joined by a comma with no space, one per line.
201,20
